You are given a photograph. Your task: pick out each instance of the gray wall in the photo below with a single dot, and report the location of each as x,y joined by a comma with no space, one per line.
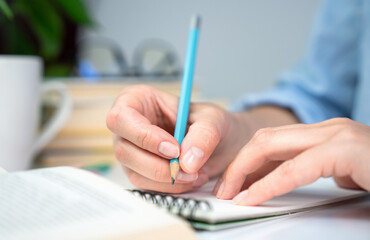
244,45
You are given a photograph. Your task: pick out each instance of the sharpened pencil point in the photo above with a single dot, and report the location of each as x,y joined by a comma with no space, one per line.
174,168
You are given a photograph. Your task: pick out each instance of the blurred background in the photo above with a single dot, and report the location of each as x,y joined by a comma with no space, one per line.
94,48
244,44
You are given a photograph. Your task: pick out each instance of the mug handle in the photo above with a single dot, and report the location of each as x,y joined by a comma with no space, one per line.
59,118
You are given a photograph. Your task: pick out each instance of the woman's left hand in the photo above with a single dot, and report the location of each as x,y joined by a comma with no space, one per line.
337,147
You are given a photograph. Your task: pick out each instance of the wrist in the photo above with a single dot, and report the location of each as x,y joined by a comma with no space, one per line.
268,116
246,123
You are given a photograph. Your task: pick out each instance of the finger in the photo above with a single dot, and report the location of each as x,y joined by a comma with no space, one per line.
327,123
132,125
253,177
338,157
302,170
147,164
346,182
145,183
270,145
202,137
260,173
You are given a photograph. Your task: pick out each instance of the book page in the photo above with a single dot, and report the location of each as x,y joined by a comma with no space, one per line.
67,203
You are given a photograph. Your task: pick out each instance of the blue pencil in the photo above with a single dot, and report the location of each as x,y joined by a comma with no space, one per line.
185,94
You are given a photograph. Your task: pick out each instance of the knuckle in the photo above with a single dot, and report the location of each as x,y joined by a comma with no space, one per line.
144,138
137,90
351,133
263,136
287,171
287,168
213,132
210,133
218,112
343,120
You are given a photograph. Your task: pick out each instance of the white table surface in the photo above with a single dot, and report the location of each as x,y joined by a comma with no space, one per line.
346,221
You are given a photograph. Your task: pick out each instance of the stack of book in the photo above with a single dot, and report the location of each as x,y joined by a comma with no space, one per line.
85,141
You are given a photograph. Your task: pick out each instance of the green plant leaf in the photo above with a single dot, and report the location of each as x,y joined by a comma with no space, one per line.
5,9
17,42
45,21
76,11
58,70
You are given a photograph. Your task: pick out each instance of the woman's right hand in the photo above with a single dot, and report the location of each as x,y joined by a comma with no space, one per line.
143,121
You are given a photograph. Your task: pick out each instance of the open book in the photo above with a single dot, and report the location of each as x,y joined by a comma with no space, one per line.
68,203
204,211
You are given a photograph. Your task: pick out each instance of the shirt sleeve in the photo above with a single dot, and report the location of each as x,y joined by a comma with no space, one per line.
323,84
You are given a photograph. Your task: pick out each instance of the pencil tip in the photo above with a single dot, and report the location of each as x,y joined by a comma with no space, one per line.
173,180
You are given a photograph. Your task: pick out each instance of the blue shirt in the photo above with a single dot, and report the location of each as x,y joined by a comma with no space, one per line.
333,79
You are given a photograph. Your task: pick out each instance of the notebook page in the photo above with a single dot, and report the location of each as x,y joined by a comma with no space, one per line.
322,192
67,203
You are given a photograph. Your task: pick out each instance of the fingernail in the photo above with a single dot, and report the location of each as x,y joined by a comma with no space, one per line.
202,179
193,158
183,176
169,149
240,198
220,190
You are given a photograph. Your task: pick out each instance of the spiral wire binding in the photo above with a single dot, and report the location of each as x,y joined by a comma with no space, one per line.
184,207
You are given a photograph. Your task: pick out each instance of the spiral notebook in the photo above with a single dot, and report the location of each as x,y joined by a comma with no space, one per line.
204,211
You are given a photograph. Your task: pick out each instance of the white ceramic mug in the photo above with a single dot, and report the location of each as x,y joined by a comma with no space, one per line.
21,88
